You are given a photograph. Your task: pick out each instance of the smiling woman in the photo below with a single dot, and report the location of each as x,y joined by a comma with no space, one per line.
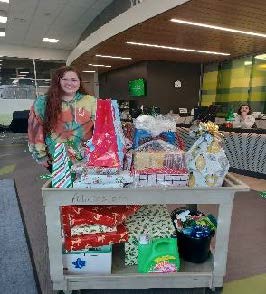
65,114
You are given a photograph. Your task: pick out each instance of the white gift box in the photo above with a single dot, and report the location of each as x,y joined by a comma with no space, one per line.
156,179
96,261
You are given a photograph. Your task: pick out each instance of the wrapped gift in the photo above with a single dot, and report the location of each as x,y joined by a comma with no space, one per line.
106,148
123,177
96,260
86,241
61,175
153,220
108,215
161,177
82,169
78,184
158,154
148,127
91,229
206,159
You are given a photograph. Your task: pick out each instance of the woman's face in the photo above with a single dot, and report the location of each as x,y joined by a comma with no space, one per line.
244,109
70,83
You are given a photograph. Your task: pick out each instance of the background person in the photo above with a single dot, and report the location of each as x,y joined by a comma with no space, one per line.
64,114
244,118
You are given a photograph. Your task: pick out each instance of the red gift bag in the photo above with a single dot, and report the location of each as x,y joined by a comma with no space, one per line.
104,150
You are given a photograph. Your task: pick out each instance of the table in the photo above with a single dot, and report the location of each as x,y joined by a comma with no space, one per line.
208,274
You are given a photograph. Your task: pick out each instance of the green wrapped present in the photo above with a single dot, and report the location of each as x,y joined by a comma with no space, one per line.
153,220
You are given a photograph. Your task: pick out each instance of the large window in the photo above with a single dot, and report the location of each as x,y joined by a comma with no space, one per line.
21,81
231,83
25,78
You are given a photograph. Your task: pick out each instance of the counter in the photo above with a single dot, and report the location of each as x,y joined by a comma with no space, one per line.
244,148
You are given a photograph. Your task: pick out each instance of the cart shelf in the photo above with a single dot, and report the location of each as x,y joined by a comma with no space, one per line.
207,274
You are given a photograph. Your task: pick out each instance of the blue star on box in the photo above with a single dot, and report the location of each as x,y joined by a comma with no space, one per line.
79,263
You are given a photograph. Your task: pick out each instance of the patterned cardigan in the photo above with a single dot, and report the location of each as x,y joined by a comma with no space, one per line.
75,124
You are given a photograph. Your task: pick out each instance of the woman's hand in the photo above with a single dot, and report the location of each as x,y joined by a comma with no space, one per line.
45,164
48,165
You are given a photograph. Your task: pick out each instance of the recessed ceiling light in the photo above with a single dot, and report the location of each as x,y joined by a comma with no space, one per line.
50,40
3,17
261,57
2,34
88,71
24,72
178,49
99,65
114,57
5,1
204,25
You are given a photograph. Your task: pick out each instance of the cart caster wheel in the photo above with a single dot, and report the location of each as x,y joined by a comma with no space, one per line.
65,292
217,290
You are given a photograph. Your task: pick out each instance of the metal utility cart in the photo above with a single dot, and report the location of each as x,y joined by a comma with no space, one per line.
208,274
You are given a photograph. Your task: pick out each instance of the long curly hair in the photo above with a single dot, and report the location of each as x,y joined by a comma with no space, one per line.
54,98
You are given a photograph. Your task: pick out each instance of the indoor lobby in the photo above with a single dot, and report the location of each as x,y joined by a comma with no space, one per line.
197,59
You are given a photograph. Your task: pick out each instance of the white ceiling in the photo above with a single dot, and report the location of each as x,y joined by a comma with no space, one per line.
29,21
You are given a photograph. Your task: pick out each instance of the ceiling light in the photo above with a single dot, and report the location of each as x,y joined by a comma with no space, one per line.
114,57
88,71
100,65
24,72
2,33
261,57
3,17
198,24
50,40
5,1
178,49
247,62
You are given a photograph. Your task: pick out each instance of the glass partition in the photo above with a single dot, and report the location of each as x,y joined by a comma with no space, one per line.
21,81
232,83
44,69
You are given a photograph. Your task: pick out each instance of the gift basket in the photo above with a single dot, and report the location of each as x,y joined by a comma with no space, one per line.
206,160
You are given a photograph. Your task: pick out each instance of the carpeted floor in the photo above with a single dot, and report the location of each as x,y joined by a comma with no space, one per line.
16,271
247,247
